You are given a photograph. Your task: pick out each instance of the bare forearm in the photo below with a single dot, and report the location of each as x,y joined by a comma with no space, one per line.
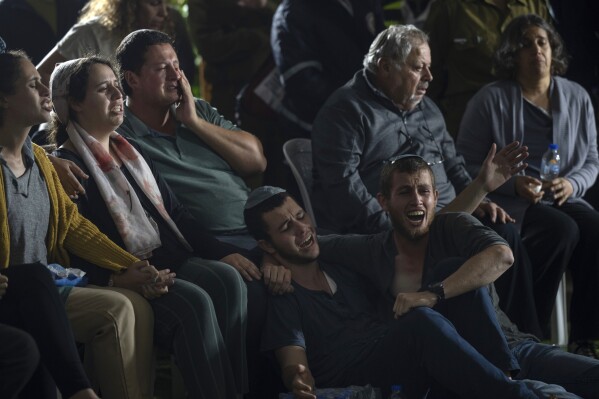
469,199
294,367
480,270
242,150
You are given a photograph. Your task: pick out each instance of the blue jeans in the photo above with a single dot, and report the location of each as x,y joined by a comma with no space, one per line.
458,345
423,346
550,364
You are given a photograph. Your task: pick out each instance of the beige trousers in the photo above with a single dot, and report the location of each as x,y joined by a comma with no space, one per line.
116,325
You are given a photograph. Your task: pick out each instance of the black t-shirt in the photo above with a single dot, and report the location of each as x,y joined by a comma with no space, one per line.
336,331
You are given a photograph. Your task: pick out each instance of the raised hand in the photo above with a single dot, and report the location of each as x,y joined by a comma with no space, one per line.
499,167
185,108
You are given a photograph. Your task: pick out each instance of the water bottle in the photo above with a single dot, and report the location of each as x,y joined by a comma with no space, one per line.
550,165
397,392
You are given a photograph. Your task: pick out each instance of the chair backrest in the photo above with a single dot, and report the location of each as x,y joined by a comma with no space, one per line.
298,153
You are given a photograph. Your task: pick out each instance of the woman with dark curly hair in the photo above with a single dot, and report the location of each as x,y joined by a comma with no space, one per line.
104,23
536,107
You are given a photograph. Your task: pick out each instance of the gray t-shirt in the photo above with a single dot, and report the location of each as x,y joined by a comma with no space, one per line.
28,206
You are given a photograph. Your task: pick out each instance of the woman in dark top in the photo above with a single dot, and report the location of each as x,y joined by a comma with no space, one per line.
131,204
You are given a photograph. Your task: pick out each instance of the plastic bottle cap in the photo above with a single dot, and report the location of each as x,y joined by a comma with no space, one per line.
553,146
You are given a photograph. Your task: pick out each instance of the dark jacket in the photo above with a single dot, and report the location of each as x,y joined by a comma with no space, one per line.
317,46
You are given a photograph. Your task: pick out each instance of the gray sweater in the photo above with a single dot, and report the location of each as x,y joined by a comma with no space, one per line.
495,115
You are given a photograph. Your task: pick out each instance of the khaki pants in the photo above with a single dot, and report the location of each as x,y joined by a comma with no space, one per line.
116,325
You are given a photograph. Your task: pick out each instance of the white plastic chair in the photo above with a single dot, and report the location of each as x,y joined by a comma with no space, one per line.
298,154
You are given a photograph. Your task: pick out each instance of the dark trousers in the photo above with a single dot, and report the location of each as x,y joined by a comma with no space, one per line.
203,321
19,358
550,364
263,372
559,238
515,287
32,304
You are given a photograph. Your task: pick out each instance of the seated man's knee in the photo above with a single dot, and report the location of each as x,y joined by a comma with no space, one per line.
421,317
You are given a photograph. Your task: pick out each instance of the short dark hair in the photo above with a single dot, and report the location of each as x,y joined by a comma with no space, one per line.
253,216
131,53
10,71
504,59
406,164
77,90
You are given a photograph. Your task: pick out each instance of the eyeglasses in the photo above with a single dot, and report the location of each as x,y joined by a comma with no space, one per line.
396,158
416,146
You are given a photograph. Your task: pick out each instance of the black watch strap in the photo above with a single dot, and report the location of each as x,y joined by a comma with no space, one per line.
437,289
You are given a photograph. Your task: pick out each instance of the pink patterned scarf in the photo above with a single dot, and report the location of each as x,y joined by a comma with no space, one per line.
137,229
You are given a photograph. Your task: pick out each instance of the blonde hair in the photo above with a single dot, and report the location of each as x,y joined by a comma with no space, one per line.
118,15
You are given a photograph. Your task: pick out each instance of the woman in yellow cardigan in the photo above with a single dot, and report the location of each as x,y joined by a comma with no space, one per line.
39,225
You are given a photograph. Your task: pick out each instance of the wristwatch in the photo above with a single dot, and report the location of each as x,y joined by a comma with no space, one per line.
438,290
